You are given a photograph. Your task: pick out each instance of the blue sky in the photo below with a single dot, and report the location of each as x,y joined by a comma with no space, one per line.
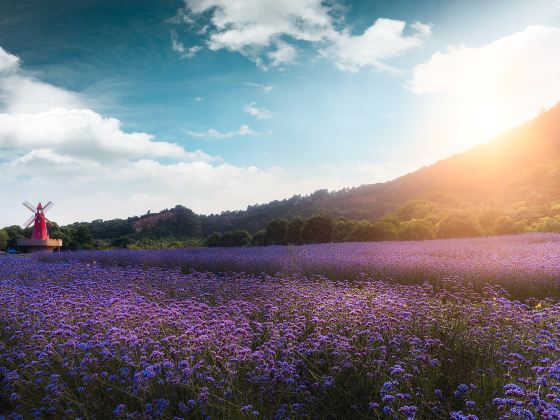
115,108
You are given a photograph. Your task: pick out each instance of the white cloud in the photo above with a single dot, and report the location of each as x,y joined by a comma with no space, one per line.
381,41
267,31
211,133
283,53
83,133
180,49
487,89
263,86
54,148
260,113
8,62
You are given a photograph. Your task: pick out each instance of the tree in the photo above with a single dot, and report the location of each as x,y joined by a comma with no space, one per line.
259,238
122,242
83,237
236,238
14,232
293,230
240,237
342,229
212,240
416,230
385,231
505,225
458,225
317,229
275,232
3,239
362,231
548,224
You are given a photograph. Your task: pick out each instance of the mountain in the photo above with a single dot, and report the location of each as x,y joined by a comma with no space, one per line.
517,173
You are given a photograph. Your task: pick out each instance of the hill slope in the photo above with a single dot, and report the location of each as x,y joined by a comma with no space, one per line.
520,168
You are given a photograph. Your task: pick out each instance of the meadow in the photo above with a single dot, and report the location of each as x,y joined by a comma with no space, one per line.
460,329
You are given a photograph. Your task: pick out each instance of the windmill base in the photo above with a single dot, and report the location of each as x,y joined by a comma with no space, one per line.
39,245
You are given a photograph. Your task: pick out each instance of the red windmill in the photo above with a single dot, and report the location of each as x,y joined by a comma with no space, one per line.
40,240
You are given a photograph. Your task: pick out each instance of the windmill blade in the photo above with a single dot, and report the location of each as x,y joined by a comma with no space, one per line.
48,206
29,221
29,206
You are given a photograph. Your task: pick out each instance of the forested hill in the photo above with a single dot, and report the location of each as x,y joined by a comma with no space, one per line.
516,175
520,168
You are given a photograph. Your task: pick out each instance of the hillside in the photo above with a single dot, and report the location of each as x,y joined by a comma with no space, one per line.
517,174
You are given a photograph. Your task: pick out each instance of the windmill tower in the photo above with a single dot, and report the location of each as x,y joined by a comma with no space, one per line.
40,241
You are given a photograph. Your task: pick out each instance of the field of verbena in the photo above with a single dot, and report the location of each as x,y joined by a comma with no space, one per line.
525,265
127,337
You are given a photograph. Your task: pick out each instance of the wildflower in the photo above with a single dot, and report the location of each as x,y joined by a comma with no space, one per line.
461,390
408,410
119,410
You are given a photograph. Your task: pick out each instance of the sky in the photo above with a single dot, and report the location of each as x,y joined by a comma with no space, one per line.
113,108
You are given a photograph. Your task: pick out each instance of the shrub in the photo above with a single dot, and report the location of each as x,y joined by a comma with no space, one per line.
293,231
416,230
458,225
317,229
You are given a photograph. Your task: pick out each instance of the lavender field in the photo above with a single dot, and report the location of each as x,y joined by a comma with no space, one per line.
440,329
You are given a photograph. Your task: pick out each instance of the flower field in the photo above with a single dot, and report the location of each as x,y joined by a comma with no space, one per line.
442,329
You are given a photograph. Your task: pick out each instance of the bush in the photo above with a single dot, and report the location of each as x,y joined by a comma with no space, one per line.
416,230
213,240
342,229
458,225
259,238
293,230
548,224
3,239
317,229
505,225
275,232
385,231
236,238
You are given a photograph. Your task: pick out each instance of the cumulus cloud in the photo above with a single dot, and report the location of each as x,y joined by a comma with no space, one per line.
260,113
497,85
381,41
267,31
83,133
8,62
211,133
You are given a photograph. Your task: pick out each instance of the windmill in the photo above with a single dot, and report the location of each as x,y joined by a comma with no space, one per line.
40,241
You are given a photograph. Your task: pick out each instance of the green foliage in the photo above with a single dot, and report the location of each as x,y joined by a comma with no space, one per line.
415,209
548,224
3,239
458,225
505,225
275,232
293,231
361,232
122,242
237,237
317,229
82,237
342,229
14,232
213,240
416,230
385,231
259,238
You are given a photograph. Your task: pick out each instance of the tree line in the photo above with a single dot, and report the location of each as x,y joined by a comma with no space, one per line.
416,220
